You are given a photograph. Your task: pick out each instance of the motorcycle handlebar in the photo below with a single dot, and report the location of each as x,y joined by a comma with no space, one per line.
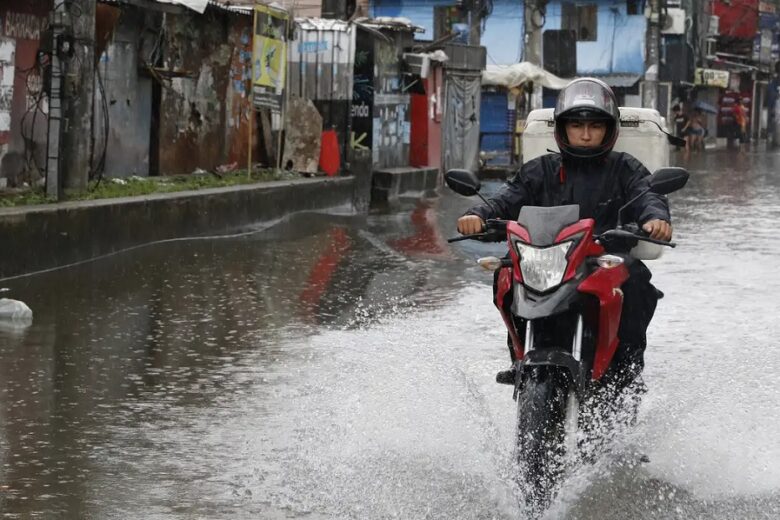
619,233
494,231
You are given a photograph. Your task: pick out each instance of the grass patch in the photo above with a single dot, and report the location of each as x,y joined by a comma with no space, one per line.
134,186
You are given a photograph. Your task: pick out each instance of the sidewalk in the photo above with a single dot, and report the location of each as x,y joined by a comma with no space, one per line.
35,238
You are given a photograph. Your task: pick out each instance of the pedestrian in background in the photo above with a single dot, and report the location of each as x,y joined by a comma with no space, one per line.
740,112
680,122
772,98
695,129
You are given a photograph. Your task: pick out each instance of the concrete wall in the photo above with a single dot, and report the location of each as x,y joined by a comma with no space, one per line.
391,124
23,109
128,96
380,107
42,237
205,107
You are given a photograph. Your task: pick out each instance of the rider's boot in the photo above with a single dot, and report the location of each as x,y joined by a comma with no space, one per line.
507,377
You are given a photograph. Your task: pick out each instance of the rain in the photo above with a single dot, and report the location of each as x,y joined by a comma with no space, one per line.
342,366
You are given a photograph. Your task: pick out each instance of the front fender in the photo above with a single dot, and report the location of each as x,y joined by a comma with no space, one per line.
529,305
552,357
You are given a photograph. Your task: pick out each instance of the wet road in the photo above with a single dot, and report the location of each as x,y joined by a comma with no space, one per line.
342,367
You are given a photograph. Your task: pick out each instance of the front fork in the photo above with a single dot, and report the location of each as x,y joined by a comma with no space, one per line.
572,402
571,424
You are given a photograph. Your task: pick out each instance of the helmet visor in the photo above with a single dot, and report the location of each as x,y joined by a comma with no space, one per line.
587,100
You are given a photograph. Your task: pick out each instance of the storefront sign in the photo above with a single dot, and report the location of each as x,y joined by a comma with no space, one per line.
712,78
269,58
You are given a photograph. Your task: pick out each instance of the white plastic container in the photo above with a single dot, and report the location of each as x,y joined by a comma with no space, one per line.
640,136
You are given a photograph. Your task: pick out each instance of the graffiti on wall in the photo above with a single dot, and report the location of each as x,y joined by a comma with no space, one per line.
362,94
23,26
7,75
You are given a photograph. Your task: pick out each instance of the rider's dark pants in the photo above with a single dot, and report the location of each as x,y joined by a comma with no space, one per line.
639,302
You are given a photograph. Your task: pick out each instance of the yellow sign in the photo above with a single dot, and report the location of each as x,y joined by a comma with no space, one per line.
269,68
269,57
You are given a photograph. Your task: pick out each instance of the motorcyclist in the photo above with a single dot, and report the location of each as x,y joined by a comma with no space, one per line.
589,173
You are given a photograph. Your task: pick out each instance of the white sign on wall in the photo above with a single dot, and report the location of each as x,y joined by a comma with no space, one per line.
7,75
712,78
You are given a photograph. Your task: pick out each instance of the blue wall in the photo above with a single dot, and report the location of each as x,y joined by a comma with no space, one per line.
619,49
623,53
503,33
420,12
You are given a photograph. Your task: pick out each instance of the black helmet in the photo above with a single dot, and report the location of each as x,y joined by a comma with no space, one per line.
586,99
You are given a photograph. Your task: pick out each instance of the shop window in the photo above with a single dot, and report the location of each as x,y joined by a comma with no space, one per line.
582,19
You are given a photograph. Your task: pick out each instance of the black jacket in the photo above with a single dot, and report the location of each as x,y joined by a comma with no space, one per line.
599,186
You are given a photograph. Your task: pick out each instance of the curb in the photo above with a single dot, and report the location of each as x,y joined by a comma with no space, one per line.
41,237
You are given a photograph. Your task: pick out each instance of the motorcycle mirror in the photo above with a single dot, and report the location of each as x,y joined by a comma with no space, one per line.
462,182
668,180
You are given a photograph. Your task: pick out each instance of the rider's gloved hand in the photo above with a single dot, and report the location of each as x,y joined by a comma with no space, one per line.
470,224
658,229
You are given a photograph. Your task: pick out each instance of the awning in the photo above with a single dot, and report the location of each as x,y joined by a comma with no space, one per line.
510,76
396,23
322,24
618,80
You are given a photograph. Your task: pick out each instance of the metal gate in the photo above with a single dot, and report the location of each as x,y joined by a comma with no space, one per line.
461,116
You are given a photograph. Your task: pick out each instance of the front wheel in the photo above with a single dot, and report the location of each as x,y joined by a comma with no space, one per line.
541,433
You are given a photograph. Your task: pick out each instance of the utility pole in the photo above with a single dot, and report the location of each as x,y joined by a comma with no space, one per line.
78,86
533,15
652,40
474,8
54,133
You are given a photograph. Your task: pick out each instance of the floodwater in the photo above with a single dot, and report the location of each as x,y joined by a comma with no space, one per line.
333,366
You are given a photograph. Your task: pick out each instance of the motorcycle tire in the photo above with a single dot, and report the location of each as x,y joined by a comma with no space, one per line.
540,449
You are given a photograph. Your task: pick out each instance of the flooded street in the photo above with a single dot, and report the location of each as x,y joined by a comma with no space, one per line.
335,366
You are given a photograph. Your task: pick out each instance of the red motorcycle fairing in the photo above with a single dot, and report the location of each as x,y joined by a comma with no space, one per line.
503,286
602,283
513,228
605,285
584,248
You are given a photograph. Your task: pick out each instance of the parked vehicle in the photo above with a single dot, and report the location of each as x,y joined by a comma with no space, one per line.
562,318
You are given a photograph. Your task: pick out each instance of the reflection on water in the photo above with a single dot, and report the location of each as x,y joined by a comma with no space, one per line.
123,350
342,367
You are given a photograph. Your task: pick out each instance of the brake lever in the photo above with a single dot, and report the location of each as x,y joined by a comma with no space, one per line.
621,233
475,236
656,241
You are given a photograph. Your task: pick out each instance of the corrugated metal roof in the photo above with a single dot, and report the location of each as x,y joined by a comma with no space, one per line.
199,6
388,22
322,24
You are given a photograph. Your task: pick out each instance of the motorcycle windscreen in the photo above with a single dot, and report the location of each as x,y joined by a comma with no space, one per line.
544,223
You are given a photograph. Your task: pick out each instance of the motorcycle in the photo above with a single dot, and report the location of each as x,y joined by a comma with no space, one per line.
558,292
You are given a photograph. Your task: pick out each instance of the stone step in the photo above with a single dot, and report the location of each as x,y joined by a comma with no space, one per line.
388,184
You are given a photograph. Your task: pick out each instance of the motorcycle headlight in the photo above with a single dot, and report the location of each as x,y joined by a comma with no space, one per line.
543,267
